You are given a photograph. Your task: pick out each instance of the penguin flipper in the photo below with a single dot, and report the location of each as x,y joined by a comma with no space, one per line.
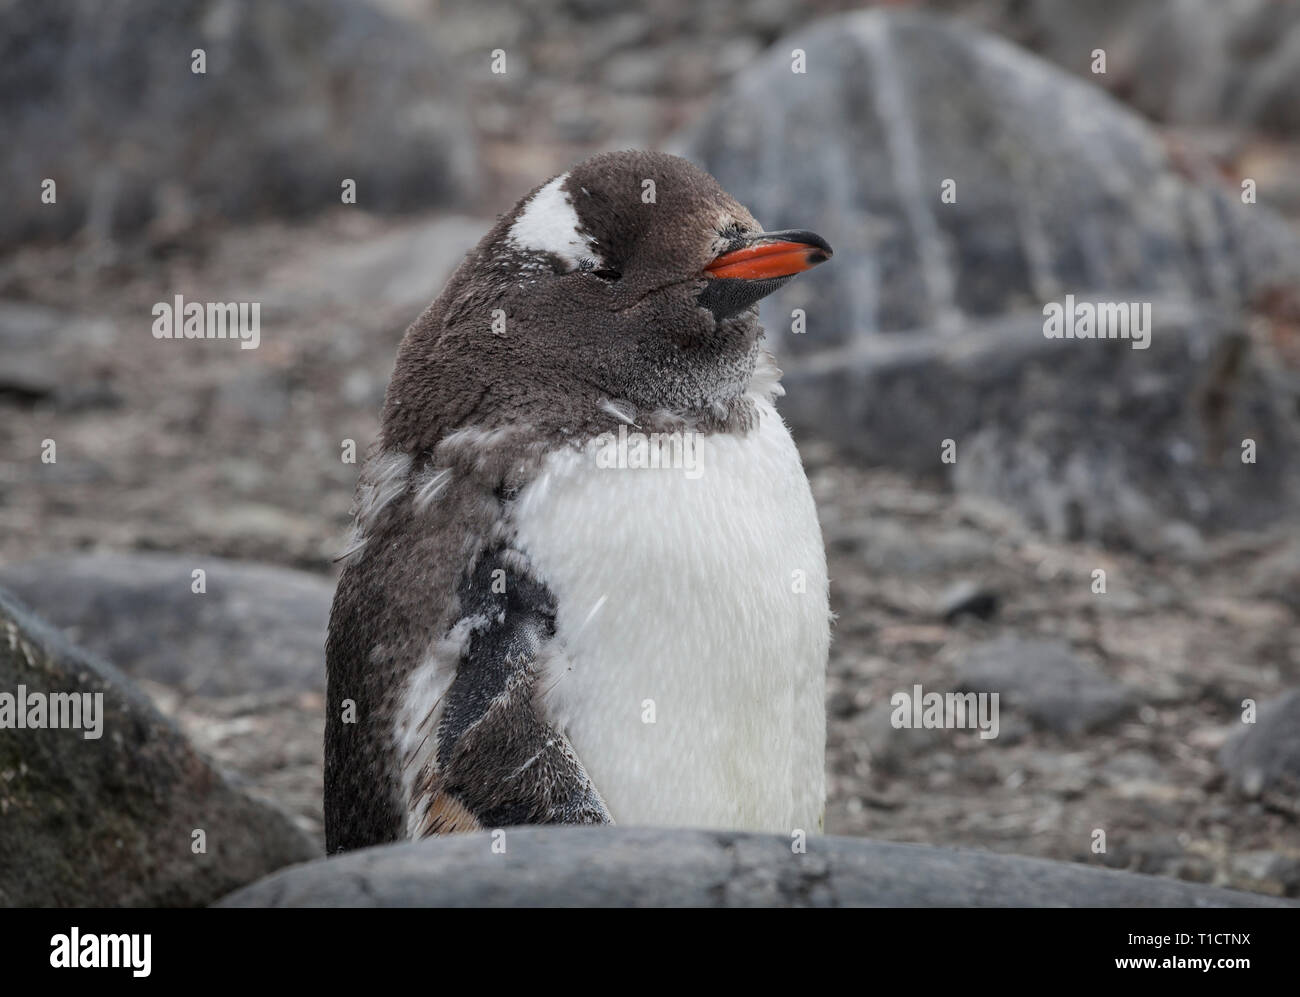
498,760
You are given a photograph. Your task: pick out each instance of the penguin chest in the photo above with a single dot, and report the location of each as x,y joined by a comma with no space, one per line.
692,627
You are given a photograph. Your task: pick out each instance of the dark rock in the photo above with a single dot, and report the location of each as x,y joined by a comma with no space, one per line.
1057,690
1262,760
37,343
109,821
928,325
966,597
30,371
633,867
841,704
257,628
297,97
1275,873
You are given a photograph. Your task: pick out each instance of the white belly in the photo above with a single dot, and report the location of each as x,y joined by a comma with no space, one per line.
710,617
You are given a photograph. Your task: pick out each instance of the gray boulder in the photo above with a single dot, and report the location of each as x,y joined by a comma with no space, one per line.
110,820
644,867
1057,690
1059,188
929,324
1262,759
298,95
1194,62
257,628
1085,440
40,345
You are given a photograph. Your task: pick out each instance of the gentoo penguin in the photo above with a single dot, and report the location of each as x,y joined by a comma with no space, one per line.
532,626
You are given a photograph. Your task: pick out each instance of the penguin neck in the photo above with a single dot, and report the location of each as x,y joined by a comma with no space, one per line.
696,381
449,380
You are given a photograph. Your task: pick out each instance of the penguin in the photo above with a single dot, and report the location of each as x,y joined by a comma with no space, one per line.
586,583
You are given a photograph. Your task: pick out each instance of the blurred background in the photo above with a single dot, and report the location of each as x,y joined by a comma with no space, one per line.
1173,178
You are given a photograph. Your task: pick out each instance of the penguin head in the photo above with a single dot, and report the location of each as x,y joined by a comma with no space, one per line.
639,269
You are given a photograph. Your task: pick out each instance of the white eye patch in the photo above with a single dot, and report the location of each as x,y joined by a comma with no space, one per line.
549,224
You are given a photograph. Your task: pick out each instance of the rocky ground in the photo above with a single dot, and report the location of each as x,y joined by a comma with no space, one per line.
217,451
1116,705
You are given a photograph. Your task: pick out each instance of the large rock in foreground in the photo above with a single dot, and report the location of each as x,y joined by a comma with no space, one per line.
643,867
256,627
111,820
297,96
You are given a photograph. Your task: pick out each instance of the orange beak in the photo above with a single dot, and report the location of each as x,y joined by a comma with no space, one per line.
772,254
